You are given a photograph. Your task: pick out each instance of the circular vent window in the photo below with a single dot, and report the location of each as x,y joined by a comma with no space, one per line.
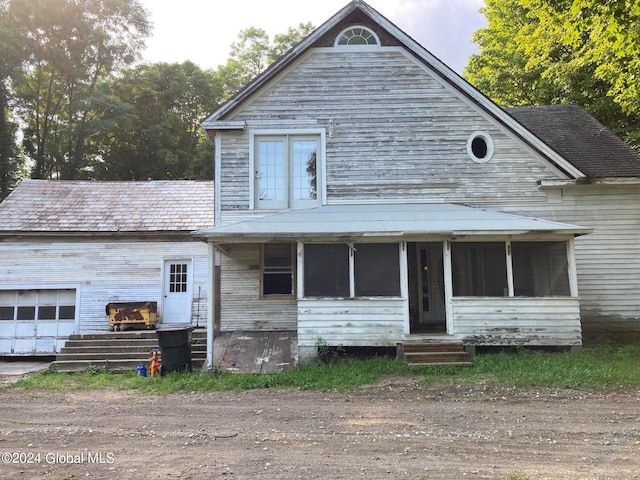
480,147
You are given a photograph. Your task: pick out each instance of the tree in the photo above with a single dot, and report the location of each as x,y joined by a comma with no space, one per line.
528,58
283,42
253,52
159,136
11,162
607,34
74,47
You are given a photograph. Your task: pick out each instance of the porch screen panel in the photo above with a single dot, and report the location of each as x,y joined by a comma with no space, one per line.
540,269
479,269
326,270
377,270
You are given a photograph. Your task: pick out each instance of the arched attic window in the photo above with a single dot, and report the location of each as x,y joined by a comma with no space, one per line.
357,35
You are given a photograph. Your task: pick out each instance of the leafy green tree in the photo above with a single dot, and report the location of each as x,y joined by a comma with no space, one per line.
283,42
253,52
530,56
159,136
11,162
73,48
607,34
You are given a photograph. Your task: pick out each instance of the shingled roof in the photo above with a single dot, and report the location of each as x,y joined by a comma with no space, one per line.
580,139
56,206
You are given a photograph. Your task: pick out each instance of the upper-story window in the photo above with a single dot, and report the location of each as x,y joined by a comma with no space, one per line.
286,171
357,35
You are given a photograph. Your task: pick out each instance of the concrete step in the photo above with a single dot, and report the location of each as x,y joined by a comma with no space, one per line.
123,350
111,365
129,343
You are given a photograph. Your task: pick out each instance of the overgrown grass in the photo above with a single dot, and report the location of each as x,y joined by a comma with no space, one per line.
600,367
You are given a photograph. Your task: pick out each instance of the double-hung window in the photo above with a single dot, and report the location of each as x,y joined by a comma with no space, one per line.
286,171
278,260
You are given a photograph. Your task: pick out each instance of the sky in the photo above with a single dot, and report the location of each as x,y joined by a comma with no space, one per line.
202,30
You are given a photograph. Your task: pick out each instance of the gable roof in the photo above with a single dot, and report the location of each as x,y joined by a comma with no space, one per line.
359,12
397,220
58,206
581,139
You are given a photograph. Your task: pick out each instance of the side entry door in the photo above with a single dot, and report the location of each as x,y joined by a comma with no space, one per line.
178,280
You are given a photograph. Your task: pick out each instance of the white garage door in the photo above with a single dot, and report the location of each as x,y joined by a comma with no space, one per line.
36,322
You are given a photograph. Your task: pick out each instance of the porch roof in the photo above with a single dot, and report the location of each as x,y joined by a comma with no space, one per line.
386,220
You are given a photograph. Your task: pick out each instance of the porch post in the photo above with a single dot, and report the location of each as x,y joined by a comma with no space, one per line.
571,264
448,285
404,285
211,303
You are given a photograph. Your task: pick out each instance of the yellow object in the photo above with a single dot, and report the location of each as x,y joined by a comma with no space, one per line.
140,313
154,362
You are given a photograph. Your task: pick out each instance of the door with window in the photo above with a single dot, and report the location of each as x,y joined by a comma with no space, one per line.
286,171
178,279
432,314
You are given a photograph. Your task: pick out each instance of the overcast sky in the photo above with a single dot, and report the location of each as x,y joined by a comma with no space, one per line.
203,30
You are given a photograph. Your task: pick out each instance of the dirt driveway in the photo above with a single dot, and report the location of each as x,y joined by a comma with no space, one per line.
395,429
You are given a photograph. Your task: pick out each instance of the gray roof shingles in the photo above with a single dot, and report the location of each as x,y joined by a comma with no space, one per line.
57,206
580,139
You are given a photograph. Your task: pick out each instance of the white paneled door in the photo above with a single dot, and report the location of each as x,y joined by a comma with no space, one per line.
178,279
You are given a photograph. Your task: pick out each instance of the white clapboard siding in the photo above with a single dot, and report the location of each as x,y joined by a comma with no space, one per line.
241,307
354,322
511,321
102,271
607,260
388,111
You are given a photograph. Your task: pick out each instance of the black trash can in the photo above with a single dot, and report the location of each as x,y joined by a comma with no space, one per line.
174,340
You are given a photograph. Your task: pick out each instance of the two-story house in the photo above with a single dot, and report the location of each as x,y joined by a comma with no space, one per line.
367,195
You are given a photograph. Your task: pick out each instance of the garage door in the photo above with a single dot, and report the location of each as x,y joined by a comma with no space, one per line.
35,322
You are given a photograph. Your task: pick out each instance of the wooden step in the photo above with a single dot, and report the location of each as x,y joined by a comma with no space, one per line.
435,353
433,347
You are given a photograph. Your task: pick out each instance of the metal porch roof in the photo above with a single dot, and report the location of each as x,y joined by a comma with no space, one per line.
386,220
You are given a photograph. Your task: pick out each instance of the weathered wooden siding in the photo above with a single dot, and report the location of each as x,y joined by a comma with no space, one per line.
513,321
354,322
607,260
105,271
241,307
400,134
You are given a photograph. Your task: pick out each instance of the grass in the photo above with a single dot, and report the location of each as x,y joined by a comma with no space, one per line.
600,367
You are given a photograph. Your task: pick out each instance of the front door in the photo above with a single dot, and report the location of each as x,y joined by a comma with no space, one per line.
176,307
431,315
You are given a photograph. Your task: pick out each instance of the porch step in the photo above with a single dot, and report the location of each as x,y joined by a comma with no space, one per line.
435,353
119,350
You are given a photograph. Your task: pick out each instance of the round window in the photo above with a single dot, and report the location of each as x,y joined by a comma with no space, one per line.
480,147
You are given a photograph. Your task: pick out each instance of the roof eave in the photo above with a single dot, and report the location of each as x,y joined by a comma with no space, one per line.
275,68
419,52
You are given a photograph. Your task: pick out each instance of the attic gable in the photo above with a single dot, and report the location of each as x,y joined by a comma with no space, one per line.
390,36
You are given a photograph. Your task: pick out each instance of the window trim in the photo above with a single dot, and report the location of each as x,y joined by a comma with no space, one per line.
490,146
321,169
294,280
377,43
